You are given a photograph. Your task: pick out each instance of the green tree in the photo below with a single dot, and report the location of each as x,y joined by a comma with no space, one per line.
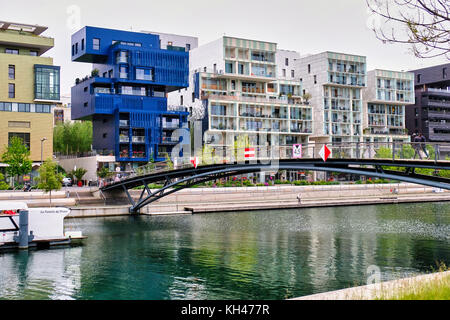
17,157
48,179
104,173
72,138
3,184
78,173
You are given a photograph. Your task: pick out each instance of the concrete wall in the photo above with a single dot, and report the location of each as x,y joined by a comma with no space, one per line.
88,163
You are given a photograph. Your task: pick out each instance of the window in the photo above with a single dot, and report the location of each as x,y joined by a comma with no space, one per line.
96,44
24,107
85,104
193,97
85,89
33,53
315,79
309,68
73,49
11,72
188,46
105,135
292,73
418,78
144,74
5,106
286,61
42,108
181,100
444,73
11,90
284,72
76,48
12,51
105,74
82,44
47,82
24,136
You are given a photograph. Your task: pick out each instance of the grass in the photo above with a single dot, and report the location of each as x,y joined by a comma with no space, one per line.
437,288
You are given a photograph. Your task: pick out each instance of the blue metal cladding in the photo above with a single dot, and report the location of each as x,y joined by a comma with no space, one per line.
134,75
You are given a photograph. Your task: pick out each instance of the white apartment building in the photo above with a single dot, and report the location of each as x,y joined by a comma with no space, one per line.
236,90
335,82
385,99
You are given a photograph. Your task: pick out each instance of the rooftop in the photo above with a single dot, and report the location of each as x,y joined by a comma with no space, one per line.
34,29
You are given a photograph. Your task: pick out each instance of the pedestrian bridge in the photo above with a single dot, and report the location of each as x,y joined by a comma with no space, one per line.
407,162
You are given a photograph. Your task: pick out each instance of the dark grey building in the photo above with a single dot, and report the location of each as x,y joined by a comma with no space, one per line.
431,113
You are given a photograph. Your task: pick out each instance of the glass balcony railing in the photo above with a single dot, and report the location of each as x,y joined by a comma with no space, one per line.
125,139
138,139
124,123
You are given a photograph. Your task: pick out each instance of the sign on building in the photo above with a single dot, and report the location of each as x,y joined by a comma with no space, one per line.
296,151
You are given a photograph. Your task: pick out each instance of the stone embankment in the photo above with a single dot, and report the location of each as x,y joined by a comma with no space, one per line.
88,202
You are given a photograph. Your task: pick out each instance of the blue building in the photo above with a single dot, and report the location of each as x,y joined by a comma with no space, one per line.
126,95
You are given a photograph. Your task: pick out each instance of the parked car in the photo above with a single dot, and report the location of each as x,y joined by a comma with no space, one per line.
67,181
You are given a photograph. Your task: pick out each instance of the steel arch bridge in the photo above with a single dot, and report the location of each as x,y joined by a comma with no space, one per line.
177,179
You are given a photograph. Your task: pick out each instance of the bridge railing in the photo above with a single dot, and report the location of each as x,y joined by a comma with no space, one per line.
348,150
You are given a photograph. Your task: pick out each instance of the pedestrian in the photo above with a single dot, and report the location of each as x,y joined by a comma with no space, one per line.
423,141
417,140
299,198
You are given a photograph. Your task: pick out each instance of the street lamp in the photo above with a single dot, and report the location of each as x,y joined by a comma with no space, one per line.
42,148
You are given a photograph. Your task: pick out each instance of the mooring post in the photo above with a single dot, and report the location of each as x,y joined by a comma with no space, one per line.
23,229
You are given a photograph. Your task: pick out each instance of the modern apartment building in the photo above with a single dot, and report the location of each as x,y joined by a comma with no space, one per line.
29,87
126,95
236,90
386,98
431,113
335,82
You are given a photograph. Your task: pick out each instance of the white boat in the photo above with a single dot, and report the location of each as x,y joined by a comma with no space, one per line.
46,224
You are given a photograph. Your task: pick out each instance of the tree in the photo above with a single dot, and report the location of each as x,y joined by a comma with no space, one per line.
16,156
423,24
48,178
104,173
72,138
79,173
3,184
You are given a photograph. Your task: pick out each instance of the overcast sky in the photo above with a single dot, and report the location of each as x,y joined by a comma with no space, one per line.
306,26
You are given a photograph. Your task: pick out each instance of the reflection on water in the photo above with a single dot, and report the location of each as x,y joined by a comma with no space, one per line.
246,255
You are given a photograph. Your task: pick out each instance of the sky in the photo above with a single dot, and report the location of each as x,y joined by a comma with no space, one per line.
302,25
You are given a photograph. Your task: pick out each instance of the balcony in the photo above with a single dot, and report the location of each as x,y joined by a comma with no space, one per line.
169,140
124,123
138,139
170,125
124,139
138,155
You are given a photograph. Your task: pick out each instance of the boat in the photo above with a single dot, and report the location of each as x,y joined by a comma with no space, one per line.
23,227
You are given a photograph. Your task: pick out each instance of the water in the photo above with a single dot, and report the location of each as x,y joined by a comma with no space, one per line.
246,255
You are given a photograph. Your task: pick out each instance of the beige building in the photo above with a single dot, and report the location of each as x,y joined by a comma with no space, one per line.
29,88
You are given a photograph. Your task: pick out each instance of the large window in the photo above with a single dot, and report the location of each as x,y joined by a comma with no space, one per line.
11,90
47,82
11,72
24,107
5,106
144,74
42,108
12,51
24,136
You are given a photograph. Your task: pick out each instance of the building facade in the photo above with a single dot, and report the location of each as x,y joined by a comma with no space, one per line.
126,95
430,115
236,91
386,98
29,88
335,82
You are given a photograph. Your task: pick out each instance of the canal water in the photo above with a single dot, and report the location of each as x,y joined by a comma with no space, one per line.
273,254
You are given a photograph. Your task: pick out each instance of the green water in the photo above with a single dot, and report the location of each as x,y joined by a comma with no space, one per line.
246,255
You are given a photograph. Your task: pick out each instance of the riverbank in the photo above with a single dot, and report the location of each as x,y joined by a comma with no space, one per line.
88,202
428,286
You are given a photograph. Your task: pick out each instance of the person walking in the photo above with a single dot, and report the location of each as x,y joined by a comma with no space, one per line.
417,140
299,198
423,141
